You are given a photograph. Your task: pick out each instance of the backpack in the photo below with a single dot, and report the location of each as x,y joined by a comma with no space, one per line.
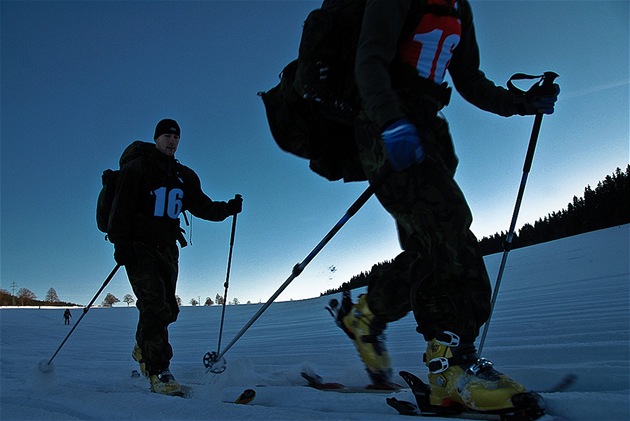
311,112
109,178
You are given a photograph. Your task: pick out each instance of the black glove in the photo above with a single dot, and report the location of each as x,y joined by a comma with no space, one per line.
540,98
538,102
235,205
125,253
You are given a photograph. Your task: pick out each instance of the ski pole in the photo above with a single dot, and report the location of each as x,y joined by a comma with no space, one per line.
212,358
227,279
546,82
45,366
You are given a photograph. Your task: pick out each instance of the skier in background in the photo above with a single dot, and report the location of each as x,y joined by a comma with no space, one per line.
67,315
144,226
401,61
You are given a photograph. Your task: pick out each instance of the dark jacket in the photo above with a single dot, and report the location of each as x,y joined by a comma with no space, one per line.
151,193
389,26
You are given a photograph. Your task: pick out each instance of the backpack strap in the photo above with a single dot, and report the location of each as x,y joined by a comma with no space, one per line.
181,239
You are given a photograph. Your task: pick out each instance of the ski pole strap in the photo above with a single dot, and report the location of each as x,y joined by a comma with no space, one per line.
542,87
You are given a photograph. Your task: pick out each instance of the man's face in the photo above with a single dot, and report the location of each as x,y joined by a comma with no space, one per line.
167,143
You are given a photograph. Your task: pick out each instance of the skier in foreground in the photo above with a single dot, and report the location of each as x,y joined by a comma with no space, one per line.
401,61
144,226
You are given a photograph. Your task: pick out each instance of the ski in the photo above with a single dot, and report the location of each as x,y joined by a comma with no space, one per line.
239,395
527,406
317,382
246,397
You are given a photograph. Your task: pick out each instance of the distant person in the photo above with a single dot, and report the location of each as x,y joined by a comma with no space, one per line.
67,315
402,58
151,193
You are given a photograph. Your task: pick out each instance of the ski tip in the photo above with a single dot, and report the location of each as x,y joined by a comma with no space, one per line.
317,382
403,407
311,377
246,397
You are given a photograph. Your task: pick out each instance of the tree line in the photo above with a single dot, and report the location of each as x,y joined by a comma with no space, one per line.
606,206
26,297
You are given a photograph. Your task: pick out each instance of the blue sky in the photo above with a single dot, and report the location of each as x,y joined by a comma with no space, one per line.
81,79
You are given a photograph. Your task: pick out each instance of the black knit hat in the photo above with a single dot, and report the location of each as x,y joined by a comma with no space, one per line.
166,126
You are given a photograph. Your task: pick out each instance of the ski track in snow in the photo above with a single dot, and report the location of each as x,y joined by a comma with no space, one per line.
563,308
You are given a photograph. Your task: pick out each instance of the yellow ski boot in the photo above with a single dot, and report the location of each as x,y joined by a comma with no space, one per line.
165,383
366,332
459,377
136,354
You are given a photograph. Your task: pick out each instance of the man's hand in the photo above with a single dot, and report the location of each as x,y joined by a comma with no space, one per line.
124,253
539,100
402,140
235,205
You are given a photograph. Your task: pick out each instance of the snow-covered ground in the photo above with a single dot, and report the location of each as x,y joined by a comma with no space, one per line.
563,308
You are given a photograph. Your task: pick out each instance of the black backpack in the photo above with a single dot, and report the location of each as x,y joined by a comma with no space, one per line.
109,178
311,111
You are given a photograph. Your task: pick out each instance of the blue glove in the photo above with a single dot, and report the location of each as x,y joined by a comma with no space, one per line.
402,141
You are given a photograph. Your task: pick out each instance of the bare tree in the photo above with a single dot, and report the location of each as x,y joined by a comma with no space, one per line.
128,298
110,300
51,296
25,294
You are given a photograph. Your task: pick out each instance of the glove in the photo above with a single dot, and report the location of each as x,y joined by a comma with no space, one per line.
125,253
235,205
539,100
402,141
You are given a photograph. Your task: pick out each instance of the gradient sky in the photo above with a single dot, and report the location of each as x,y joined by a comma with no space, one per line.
80,80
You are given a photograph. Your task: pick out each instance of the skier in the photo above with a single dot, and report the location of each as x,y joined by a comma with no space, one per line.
401,61
144,226
66,317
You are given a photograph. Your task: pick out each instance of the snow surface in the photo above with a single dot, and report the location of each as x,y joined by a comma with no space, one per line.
563,308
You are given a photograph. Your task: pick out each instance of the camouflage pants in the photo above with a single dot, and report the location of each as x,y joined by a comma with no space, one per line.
440,275
153,277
